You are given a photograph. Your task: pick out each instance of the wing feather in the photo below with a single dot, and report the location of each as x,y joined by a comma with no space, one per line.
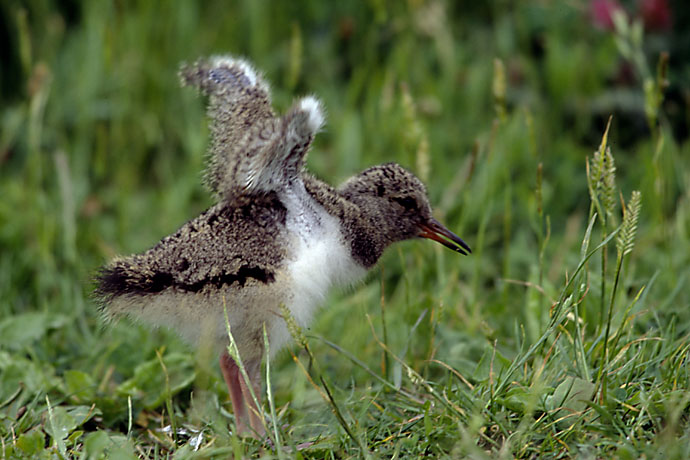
251,150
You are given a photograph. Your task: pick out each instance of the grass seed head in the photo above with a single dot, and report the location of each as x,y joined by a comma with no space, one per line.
631,212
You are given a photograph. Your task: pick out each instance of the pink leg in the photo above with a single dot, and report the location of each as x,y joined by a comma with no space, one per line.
253,369
247,416
233,376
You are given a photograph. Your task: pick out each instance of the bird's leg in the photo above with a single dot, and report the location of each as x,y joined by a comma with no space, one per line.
233,377
256,422
247,415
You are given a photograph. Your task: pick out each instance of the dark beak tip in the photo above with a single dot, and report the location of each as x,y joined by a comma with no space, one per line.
436,231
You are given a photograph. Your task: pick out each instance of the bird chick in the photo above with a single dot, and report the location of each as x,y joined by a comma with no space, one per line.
277,236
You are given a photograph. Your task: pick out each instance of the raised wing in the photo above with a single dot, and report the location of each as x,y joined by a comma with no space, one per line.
251,150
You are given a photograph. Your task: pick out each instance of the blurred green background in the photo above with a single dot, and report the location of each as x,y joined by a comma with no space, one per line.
101,153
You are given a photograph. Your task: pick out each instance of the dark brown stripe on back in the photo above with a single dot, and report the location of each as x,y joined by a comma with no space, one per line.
116,281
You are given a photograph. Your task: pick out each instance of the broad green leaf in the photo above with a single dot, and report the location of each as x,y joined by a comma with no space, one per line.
18,372
32,442
80,385
570,397
149,381
72,438
65,420
20,330
96,443
100,445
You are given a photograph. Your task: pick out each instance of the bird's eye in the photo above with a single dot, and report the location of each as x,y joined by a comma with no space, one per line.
409,203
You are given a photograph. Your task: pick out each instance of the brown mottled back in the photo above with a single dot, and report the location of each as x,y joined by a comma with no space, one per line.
224,245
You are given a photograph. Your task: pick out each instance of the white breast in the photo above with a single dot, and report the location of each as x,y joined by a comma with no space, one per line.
319,259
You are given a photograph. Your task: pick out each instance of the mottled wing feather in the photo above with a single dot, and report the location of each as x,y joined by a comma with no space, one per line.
251,150
224,246
299,126
239,107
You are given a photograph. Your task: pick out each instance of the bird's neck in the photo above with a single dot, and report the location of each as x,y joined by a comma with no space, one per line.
361,224
303,216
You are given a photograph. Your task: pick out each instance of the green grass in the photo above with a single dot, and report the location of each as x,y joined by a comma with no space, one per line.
565,333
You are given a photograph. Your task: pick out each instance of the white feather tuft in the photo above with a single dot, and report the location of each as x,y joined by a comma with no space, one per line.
314,109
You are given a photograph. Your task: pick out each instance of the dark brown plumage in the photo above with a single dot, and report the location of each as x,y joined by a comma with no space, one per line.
223,246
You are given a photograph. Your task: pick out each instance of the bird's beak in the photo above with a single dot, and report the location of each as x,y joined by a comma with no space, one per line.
434,230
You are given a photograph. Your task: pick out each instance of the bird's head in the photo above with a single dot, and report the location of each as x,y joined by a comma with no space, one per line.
400,206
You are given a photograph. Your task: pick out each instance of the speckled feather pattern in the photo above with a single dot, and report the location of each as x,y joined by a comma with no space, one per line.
224,245
251,150
378,207
277,234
